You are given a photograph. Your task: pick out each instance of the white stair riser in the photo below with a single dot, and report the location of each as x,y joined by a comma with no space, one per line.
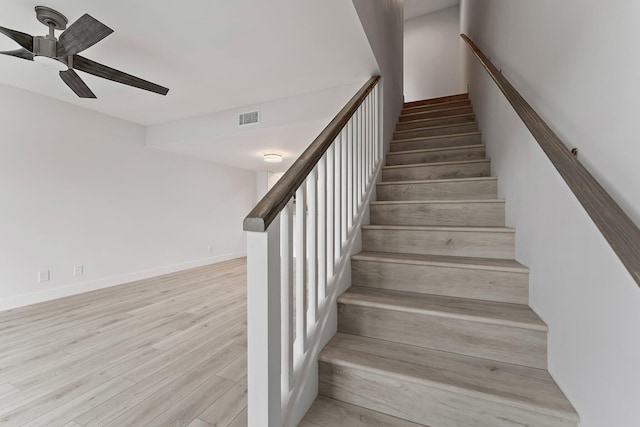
488,285
436,131
438,142
490,213
436,407
437,171
481,244
504,343
408,117
440,121
443,155
481,189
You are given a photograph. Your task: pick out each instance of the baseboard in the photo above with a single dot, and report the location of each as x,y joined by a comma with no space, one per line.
79,288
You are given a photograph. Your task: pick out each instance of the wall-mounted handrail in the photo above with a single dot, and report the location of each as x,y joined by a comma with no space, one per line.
275,200
615,225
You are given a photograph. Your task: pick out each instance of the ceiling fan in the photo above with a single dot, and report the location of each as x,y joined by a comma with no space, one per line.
62,53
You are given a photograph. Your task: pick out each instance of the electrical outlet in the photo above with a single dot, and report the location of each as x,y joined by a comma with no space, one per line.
78,270
43,276
211,249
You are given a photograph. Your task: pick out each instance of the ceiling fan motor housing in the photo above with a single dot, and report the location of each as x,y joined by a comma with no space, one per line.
45,46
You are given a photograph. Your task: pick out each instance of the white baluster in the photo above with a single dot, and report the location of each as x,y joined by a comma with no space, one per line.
343,182
361,156
350,175
373,132
378,123
322,229
358,146
370,111
330,209
301,272
312,260
356,157
373,129
354,166
286,293
337,153
367,138
374,146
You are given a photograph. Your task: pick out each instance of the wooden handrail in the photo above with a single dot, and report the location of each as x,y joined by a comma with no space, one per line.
615,225
275,200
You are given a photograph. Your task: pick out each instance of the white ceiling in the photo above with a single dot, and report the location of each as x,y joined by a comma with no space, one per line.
287,126
214,55
246,150
415,8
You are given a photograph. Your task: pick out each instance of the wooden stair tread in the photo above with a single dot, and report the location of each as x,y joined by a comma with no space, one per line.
492,264
455,162
436,127
504,383
449,202
435,150
415,187
438,106
409,113
417,123
498,313
432,181
326,412
439,228
436,118
453,135
437,100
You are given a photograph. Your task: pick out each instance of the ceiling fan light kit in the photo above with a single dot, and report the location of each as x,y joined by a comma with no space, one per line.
61,53
50,62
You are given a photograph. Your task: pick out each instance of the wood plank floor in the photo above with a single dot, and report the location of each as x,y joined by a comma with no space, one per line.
165,351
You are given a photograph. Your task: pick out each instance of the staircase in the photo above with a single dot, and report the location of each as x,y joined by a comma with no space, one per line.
436,329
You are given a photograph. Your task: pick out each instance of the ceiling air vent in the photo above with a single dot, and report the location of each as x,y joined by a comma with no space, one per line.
248,118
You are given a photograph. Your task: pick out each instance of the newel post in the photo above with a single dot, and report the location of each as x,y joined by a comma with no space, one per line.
263,327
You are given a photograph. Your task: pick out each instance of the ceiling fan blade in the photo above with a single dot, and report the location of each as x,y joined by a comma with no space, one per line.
20,53
76,84
24,40
99,70
81,35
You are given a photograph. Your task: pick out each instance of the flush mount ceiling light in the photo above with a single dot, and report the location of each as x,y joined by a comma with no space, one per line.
273,157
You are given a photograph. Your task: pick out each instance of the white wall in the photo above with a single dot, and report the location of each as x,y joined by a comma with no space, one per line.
574,62
265,182
81,188
382,23
431,55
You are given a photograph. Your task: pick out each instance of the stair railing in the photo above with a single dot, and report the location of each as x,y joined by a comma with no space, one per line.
296,239
615,225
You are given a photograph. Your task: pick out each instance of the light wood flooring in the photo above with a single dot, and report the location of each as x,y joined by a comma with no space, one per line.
166,351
